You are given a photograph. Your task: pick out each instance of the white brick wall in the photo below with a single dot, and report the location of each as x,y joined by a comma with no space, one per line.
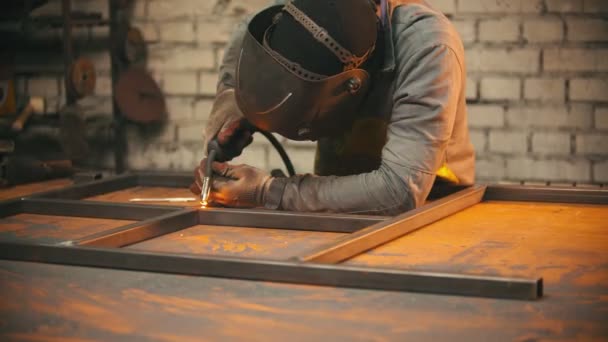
537,84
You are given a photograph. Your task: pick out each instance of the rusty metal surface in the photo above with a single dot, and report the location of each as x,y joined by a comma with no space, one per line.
277,244
28,189
123,196
389,230
52,229
52,302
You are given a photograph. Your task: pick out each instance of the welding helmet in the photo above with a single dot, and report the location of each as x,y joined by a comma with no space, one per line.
300,72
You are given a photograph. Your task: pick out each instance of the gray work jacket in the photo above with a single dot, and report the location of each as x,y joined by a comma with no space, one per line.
419,92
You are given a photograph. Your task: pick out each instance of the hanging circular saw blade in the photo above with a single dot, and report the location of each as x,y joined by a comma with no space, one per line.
82,77
139,98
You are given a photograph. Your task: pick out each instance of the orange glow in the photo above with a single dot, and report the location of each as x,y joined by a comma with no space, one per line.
204,204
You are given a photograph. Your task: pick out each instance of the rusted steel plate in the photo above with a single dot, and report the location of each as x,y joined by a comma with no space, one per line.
124,196
262,243
566,244
52,229
53,302
28,189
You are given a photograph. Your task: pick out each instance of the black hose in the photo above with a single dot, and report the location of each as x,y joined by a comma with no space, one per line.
277,146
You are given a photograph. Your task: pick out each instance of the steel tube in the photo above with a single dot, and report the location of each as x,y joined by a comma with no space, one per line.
546,194
278,271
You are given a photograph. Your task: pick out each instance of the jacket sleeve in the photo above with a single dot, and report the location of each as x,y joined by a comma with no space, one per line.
428,85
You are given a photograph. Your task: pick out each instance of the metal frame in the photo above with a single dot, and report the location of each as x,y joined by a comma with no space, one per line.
103,249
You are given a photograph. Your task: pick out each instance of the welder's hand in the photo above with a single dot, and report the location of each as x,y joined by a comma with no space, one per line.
240,186
227,124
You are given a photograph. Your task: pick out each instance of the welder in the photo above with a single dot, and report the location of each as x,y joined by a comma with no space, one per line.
380,85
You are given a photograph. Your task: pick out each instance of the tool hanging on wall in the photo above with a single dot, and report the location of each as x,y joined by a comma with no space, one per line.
139,97
34,106
82,77
134,48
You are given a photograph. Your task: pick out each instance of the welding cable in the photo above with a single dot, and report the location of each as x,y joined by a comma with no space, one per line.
277,146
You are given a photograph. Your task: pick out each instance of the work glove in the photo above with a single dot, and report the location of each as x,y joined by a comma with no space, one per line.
227,124
241,186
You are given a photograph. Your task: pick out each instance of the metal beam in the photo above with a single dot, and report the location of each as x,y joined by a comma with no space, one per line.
141,231
89,189
383,232
287,220
101,210
171,180
278,271
546,194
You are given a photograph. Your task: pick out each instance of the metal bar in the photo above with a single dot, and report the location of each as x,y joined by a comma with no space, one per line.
10,208
545,194
120,142
68,53
287,220
102,210
278,271
386,231
84,190
137,232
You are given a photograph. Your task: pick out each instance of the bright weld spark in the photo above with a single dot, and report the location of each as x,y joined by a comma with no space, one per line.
204,204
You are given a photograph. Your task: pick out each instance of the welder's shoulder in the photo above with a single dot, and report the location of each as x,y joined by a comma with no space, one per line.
417,25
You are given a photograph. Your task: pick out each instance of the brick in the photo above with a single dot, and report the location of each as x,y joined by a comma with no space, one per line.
466,29
596,6
577,116
183,83
601,118
551,143
508,142
167,133
500,88
179,108
600,172
486,116
178,32
241,8
139,9
490,169
150,32
543,30
191,131
43,86
256,156
303,160
479,140
589,89
564,6
593,143
175,9
445,6
517,60
471,91
101,60
215,31
208,83
545,89
587,30
575,59
499,30
202,109
103,85
548,170
170,58
500,6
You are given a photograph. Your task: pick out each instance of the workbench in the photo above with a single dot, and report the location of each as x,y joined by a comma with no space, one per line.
48,296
